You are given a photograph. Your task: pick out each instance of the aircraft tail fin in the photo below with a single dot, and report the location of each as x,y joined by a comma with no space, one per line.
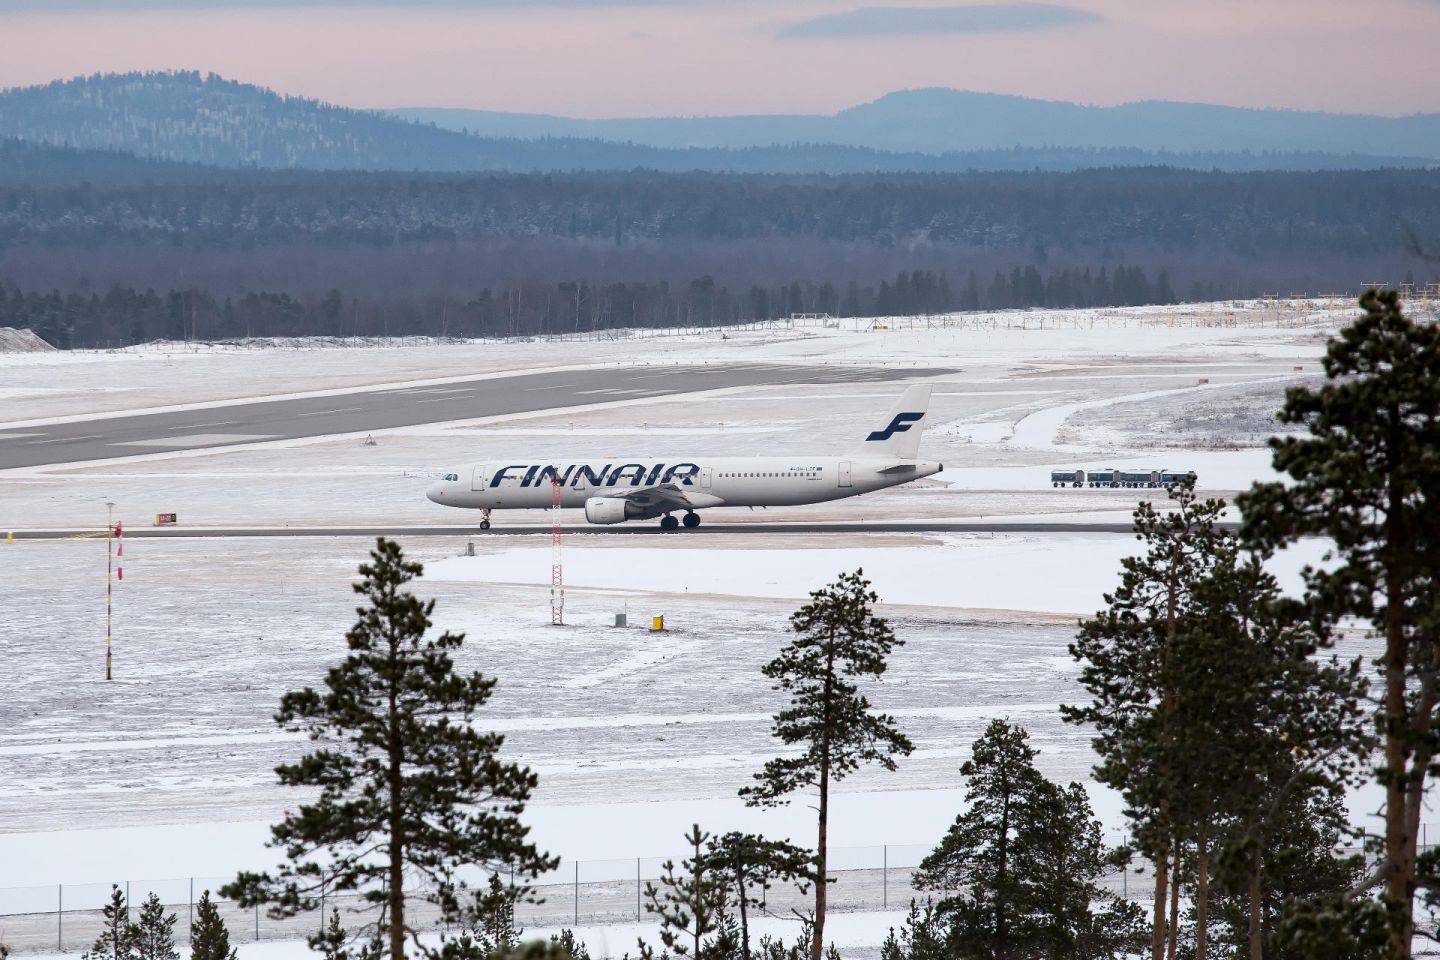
898,435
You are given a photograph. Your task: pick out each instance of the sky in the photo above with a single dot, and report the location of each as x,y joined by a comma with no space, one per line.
607,58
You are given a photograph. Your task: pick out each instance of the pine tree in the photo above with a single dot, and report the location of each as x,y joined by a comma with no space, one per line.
689,903
407,785
1366,477
155,932
840,638
209,940
1301,869
1064,856
117,935
1019,866
1264,725
977,853
1129,654
748,865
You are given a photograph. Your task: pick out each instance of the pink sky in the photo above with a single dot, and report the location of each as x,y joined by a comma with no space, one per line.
726,56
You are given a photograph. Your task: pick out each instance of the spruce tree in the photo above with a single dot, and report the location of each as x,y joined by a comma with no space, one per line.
1367,475
690,903
839,640
117,934
154,932
749,865
536,950
209,940
924,936
333,942
1129,656
573,947
408,788
487,926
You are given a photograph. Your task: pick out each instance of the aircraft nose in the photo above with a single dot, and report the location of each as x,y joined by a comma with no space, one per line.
436,493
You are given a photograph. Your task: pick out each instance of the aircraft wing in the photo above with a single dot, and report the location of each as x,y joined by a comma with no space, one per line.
667,496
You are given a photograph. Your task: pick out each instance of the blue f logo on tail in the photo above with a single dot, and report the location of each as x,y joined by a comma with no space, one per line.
900,424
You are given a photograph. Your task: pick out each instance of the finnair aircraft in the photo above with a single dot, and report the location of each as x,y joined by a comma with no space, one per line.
643,488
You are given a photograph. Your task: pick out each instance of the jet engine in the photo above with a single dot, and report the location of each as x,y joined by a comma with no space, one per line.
609,510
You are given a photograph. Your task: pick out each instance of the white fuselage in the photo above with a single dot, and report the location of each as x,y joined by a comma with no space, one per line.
707,482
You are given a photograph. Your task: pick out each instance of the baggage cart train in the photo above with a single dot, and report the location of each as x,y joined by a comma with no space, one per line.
1111,477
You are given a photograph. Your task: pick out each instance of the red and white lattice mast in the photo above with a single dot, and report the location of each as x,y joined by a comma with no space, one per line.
557,568
114,548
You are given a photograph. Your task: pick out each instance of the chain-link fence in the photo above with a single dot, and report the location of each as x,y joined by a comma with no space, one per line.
68,917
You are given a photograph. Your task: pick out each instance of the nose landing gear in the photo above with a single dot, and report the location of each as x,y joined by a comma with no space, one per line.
485,519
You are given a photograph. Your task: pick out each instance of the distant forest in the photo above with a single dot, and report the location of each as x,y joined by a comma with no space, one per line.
272,253
1344,212
125,316
390,237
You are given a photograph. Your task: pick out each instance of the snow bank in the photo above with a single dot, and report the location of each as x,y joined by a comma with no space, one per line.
21,341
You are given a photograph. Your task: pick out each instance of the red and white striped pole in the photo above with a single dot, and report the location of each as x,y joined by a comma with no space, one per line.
557,571
110,534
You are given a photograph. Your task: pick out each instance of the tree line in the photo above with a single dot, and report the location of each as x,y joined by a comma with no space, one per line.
123,316
394,235
38,161
1248,213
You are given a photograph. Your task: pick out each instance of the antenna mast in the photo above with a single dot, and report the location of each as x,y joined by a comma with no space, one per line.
557,569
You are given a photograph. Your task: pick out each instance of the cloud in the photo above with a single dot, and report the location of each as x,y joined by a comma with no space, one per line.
935,21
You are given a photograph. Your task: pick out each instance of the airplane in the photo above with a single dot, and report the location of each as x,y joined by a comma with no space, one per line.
643,488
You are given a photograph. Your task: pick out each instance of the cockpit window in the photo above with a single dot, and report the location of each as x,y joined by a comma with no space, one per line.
452,476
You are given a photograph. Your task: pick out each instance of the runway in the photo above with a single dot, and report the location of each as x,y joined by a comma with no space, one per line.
226,424
629,529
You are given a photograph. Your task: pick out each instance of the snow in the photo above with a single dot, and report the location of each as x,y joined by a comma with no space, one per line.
975,572
177,374
856,934
168,771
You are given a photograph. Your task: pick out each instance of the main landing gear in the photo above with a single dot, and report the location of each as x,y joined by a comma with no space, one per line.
669,522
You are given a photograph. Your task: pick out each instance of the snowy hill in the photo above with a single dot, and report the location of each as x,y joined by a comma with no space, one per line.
937,121
196,118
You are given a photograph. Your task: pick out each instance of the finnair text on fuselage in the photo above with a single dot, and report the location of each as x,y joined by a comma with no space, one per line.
606,475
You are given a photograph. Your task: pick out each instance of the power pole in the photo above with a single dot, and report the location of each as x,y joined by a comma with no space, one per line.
557,569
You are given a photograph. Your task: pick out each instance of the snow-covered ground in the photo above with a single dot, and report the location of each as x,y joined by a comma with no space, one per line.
167,771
